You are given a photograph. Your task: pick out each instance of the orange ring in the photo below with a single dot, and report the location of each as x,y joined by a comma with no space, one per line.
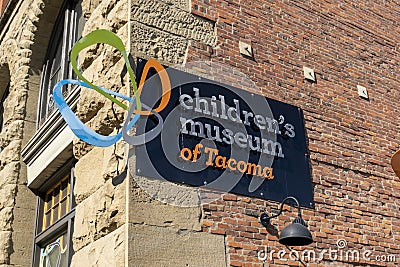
165,83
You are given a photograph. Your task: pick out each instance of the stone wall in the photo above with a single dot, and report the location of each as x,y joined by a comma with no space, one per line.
165,30
162,30
17,203
21,59
99,237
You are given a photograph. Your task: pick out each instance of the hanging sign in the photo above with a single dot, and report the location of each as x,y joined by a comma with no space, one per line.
220,137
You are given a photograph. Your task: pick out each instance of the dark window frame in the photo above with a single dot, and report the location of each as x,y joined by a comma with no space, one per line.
63,225
6,93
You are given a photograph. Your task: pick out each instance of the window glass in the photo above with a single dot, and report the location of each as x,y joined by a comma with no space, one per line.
56,202
55,76
55,253
80,19
54,221
67,31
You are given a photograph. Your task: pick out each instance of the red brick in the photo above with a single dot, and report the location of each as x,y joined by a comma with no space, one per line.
350,139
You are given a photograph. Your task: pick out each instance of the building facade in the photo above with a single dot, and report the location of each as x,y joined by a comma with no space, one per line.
66,202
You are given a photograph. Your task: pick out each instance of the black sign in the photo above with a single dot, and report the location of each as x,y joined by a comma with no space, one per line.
220,137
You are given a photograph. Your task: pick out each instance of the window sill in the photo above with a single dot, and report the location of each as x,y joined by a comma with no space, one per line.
50,147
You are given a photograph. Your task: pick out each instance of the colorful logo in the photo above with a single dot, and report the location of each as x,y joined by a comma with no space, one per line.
136,107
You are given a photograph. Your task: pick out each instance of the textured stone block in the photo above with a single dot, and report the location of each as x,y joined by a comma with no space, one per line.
14,105
183,4
11,132
167,192
100,214
10,152
22,245
150,42
97,166
7,195
107,251
6,218
99,11
5,246
9,174
144,189
160,246
169,19
88,6
118,16
89,174
164,215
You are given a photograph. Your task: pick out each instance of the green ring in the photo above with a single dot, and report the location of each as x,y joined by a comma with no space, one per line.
105,37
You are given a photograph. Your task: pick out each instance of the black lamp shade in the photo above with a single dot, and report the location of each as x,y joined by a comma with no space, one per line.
295,234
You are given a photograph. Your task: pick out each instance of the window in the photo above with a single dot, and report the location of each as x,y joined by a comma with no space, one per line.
54,220
55,254
56,202
66,32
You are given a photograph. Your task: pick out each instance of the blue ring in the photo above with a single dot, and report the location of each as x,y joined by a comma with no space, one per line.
77,126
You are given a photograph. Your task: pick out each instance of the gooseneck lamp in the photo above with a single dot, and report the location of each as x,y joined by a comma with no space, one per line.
296,233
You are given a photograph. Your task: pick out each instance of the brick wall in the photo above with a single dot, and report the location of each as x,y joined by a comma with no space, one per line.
351,139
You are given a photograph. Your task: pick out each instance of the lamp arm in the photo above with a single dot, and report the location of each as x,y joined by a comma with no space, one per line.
265,219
